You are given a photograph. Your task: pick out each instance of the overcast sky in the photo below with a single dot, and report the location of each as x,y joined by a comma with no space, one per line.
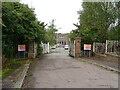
63,11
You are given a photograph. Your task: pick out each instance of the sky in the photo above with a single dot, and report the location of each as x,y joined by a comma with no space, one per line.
63,11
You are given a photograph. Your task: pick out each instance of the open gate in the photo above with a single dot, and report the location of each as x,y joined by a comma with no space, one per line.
75,47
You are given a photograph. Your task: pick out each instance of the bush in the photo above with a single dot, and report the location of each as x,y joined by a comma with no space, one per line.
39,50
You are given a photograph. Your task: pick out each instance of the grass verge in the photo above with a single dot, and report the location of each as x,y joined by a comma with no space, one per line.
5,72
15,63
54,51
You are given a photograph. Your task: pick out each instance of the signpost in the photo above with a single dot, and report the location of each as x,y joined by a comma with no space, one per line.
87,48
21,48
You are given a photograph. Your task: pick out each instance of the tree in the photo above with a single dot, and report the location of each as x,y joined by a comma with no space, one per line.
95,19
114,32
50,33
19,26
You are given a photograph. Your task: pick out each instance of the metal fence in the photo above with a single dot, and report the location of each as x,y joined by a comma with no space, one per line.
111,46
99,47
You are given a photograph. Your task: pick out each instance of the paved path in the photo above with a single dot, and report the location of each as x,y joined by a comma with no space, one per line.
58,70
103,62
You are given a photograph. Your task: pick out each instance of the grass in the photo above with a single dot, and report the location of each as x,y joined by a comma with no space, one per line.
54,52
14,60
5,72
15,63
115,53
27,75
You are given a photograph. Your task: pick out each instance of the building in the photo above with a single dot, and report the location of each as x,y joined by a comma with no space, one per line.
62,39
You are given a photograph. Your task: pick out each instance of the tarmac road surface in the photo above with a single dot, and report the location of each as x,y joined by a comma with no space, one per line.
58,70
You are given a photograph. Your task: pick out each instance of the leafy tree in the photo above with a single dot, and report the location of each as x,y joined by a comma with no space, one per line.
114,32
95,19
50,33
19,26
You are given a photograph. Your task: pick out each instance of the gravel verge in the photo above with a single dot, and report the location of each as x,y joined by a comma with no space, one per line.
102,63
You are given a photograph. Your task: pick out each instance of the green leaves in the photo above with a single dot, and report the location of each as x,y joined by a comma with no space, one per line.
95,19
20,25
50,33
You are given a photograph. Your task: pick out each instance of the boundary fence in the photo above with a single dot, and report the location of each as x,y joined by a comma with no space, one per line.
111,46
45,47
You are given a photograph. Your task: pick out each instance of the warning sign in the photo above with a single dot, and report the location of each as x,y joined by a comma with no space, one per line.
21,47
87,46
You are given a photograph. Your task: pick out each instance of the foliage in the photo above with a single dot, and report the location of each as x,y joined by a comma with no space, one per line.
19,26
39,49
95,20
5,72
114,32
50,33
73,34
15,63
17,59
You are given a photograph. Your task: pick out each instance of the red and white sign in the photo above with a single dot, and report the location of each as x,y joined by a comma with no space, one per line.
87,46
21,47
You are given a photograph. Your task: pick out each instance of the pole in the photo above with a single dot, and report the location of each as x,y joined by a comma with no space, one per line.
89,53
106,46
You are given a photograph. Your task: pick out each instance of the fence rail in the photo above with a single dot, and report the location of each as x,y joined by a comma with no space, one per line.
99,47
111,46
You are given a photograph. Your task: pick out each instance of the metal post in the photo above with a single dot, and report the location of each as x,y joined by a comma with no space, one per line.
84,53
24,53
89,53
18,54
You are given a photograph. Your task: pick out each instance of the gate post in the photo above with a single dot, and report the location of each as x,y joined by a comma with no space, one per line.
77,47
94,47
31,49
106,46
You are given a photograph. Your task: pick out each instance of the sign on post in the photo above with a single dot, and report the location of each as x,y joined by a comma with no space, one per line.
21,47
87,46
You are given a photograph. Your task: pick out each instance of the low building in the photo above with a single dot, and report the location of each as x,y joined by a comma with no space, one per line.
62,39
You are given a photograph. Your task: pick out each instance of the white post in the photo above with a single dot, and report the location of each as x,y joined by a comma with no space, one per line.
106,46
45,47
48,47
94,47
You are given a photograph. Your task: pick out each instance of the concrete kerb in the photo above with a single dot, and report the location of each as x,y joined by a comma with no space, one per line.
100,65
20,80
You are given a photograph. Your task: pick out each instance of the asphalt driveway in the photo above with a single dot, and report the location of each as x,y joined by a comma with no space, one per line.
58,70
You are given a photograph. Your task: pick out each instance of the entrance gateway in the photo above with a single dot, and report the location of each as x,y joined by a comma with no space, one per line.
75,47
